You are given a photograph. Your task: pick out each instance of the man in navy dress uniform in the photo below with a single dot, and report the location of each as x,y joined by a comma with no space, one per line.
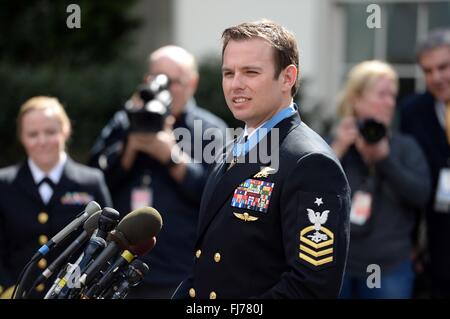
278,228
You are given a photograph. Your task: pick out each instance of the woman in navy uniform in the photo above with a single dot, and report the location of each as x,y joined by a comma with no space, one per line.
44,193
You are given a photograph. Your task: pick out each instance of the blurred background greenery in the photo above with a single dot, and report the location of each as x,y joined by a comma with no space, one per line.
87,69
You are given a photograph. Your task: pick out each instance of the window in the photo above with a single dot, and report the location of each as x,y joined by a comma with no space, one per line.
402,25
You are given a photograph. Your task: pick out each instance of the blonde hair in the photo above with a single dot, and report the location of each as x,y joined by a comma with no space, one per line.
44,103
361,77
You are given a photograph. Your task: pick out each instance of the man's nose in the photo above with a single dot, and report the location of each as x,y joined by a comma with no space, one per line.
436,76
237,82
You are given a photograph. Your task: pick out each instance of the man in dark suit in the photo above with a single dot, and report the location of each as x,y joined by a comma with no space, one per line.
427,118
274,226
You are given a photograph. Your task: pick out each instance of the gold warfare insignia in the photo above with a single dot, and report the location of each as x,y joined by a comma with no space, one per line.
246,217
316,241
265,172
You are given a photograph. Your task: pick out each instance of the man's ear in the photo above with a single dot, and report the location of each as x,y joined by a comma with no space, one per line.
193,83
289,76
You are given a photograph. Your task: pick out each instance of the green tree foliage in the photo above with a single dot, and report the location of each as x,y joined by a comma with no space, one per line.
35,31
86,68
210,94
90,94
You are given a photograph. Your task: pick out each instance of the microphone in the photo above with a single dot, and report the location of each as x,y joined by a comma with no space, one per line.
125,258
135,273
136,232
116,267
88,228
91,208
107,220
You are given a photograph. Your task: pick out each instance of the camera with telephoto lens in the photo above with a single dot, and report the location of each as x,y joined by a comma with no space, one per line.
157,105
371,130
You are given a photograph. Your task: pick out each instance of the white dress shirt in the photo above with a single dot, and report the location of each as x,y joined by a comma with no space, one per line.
440,110
45,190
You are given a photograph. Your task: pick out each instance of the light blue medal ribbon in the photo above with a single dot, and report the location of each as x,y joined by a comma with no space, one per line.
241,148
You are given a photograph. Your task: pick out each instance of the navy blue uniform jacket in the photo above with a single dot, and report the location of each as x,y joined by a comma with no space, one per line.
268,233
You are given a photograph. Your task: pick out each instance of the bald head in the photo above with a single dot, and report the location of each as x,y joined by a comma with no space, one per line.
177,55
181,68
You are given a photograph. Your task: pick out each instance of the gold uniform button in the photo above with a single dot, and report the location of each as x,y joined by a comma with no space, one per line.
40,288
217,257
212,295
43,239
198,253
192,293
42,217
42,263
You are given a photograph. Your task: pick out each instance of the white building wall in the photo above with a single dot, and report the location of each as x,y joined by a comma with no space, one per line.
198,25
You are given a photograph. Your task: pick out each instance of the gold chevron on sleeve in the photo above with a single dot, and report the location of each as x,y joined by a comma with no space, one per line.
316,262
316,253
316,246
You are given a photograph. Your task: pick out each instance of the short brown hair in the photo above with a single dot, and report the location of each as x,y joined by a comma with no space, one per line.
282,40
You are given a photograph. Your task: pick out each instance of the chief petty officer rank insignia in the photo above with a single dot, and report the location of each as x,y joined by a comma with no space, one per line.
319,217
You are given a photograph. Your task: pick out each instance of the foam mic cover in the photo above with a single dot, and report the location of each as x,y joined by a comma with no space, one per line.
137,228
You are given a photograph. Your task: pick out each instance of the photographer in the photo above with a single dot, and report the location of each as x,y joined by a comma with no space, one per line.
140,170
389,179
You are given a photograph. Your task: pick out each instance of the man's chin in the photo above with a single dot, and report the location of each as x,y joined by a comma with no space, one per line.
442,95
240,114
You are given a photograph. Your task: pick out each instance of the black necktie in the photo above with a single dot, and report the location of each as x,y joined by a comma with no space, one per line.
48,181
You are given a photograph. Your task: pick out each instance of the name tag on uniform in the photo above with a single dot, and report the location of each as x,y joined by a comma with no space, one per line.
442,198
361,208
141,197
253,194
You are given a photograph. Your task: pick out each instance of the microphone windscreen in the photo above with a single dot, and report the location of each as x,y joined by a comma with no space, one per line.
111,213
140,225
92,222
92,207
